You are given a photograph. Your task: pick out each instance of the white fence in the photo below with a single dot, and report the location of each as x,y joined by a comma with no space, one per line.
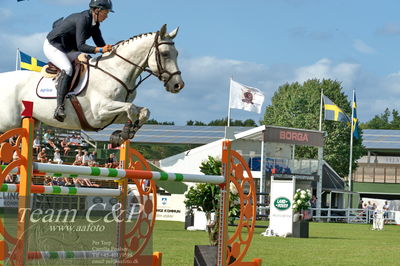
361,216
351,215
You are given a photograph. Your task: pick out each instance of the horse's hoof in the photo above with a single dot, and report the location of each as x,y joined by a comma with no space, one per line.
116,139
129,130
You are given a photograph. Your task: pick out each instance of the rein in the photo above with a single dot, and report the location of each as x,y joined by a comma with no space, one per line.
160,69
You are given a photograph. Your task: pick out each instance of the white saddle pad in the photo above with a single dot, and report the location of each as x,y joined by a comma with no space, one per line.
46,87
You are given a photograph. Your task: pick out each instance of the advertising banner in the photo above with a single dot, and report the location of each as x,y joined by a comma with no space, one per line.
281,213
171,207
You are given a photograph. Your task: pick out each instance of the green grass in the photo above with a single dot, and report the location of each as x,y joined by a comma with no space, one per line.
328,244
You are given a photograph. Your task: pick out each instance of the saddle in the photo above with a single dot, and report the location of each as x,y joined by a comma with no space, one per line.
80,78
79,68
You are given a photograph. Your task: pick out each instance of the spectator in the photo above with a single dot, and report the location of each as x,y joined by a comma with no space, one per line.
15,156
12,140
48,139
85,158
57,156
111,161
36,144
78,182
385,209
54,181
42,157
68,181
78,158
65,145
9,178
313,202
47,181
75,140
360,204
84,182
370,209
80,140
89,183
61,181
93,157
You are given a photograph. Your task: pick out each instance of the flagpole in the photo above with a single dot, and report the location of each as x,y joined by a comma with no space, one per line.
17,60
351,144
320,110
229,104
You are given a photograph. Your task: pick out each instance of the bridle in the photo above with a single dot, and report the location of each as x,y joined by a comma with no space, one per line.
162,74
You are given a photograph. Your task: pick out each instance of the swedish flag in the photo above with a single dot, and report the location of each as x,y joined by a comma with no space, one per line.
28,62
333,112
356,134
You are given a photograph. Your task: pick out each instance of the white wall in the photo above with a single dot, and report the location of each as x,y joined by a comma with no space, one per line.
190,161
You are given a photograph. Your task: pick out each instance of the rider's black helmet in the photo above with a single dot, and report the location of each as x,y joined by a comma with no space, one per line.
102,4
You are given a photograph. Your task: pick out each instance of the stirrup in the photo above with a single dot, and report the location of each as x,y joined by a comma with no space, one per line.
59,113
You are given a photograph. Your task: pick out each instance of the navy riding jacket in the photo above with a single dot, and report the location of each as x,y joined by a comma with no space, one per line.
72,32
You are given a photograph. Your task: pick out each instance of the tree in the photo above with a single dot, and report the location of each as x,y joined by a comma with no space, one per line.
383,121
237,123
298,106
224,122
195,123
206,198
155,122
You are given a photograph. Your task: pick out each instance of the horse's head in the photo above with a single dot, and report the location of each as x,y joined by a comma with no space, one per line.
163,60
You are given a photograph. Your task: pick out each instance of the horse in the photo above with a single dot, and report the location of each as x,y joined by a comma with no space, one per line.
110,89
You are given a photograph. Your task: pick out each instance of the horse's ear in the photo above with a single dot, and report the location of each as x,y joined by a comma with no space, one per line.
163,30
173,33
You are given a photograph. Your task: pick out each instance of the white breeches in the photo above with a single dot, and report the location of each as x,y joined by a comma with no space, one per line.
58,58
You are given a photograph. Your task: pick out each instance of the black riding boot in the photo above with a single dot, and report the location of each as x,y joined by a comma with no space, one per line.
62,90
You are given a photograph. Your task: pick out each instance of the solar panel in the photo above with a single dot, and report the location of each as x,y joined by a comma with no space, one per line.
168,134
381,139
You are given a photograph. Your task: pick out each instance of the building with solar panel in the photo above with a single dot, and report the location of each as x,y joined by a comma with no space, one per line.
257,145
376,177
378,172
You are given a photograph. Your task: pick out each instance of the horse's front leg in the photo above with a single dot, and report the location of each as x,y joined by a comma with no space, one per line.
136,115
133,112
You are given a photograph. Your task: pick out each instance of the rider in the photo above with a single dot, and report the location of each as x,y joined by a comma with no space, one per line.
67,39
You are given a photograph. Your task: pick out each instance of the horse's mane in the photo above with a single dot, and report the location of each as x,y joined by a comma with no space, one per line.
133,38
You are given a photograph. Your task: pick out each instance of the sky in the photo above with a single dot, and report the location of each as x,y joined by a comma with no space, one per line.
260,43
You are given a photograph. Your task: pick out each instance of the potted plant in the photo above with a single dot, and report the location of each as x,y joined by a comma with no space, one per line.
206,198
301,205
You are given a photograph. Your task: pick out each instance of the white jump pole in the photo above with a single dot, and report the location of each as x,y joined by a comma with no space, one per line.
112,173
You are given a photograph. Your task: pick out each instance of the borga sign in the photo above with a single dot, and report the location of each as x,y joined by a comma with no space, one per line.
282,203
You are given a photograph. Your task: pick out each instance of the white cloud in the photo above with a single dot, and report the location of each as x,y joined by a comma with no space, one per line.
325,69
205,96
362,47
31,44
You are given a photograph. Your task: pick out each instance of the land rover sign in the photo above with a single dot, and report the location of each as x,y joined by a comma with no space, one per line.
282,203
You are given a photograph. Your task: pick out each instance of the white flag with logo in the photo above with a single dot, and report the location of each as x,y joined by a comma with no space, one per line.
245,97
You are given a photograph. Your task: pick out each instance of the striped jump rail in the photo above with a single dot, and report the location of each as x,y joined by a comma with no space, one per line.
102,173
61,190
112,173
